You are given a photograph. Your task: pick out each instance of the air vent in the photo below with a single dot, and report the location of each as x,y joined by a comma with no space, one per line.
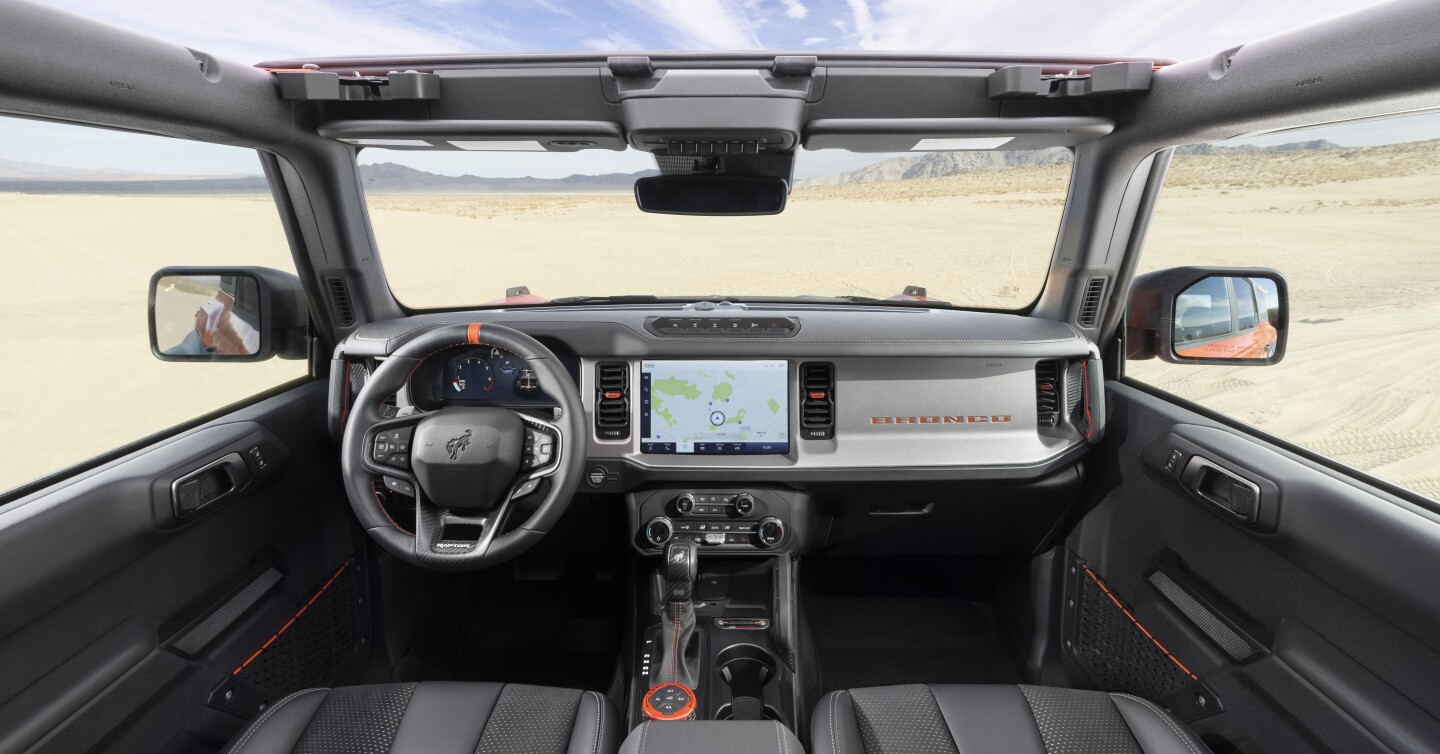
817,401
612,401
1047,393
340,304
1090,302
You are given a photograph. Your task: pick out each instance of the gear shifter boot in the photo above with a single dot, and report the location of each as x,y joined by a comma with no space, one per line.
678,656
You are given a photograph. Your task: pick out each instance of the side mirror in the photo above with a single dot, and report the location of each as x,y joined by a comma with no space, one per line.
711,194
226,314
1209,315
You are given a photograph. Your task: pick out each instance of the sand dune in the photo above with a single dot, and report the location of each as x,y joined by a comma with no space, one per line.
1354,231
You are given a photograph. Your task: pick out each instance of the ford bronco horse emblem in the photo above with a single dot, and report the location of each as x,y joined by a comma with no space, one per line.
458,445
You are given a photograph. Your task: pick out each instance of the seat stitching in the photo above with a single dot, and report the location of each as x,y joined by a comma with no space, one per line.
600,725
778,746
834,740
261,721
1166,718
644,734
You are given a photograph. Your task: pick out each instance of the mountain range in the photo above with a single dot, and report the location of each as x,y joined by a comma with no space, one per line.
389,177
393,178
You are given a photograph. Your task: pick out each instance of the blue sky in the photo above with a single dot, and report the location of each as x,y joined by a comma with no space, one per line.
255,30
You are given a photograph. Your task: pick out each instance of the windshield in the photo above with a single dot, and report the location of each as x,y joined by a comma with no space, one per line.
968,229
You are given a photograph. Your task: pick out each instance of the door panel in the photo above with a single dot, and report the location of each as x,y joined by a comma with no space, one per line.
99,577
1334,584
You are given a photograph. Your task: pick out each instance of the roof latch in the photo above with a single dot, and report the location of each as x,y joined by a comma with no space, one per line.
631,66
1021,81
794,65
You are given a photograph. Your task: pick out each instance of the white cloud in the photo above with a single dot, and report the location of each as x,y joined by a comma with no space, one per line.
613,42
796,9
864,23
701,24
812,41
1179,29
264,29
555,7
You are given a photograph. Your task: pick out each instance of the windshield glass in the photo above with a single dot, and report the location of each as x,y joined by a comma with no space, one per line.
972,229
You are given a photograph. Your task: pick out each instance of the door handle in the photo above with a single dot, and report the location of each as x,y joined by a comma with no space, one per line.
209,485
1222,488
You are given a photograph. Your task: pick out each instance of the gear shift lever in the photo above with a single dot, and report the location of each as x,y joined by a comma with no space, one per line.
676,671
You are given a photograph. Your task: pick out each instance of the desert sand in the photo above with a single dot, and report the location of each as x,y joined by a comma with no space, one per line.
1354,232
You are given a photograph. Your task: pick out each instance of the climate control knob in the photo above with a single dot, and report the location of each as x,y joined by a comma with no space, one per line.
685,503
658,531
744,503
770,532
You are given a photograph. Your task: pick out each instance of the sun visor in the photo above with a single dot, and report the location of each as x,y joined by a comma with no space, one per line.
479,135
949,134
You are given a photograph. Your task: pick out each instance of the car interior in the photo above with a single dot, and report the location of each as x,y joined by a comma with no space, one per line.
715,522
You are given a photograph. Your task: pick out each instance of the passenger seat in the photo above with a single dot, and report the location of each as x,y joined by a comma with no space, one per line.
973,719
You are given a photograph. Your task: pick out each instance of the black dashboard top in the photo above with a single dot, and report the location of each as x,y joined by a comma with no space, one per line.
812,331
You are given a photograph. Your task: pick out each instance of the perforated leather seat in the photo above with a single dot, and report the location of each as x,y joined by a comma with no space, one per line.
963,719
435,718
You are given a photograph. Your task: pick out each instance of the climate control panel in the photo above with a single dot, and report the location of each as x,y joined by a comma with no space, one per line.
723,520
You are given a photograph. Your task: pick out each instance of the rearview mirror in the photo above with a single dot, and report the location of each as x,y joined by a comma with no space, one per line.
726,195
226,314
1207,315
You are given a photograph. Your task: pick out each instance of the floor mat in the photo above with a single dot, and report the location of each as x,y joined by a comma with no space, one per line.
878,641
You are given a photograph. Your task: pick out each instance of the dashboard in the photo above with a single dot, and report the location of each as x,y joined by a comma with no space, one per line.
778,428
837,394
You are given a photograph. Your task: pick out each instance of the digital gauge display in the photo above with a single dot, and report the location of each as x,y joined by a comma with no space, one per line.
492,374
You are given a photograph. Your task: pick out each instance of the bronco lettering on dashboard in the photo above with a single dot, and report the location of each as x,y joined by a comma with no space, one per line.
893,420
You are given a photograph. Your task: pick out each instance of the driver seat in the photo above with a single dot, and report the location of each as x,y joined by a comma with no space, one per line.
435,718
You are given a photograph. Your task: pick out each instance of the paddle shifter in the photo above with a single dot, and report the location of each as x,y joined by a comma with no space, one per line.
676,671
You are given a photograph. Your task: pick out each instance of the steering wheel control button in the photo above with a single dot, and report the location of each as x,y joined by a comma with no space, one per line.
526,487
658,531
770,532
669,701
539,448
685,504
399,486
392,446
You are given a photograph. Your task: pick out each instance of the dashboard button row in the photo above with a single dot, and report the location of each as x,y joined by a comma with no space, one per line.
711,327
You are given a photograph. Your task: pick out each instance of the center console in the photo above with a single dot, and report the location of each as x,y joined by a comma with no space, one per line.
720,647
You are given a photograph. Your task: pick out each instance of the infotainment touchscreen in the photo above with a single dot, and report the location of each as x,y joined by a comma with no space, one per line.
714,407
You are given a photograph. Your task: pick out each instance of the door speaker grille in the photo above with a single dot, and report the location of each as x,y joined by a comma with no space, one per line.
1121,655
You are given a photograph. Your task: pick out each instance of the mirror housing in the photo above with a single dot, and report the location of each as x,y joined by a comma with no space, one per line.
227,314
714,195
1232,316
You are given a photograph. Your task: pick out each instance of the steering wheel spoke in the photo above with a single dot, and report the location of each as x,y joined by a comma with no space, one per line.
444,533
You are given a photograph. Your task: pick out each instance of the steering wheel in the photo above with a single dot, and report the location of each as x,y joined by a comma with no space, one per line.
466,467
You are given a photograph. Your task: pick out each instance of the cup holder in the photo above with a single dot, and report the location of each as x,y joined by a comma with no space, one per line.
727,712
746,669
